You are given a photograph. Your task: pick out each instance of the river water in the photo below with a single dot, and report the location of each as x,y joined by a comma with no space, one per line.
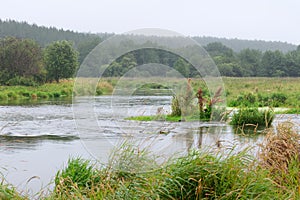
36,140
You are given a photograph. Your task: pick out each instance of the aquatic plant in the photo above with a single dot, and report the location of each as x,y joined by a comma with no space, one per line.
252,117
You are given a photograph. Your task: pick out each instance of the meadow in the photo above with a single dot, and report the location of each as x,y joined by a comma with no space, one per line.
248,92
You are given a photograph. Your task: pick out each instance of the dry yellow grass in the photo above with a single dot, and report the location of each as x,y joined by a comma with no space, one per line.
280,148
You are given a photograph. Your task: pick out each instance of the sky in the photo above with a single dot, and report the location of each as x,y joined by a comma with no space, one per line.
271,20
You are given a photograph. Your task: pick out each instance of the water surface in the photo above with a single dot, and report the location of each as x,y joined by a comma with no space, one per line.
36,140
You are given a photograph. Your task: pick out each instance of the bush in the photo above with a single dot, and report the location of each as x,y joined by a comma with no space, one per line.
3,96
21,81
252,116
278,99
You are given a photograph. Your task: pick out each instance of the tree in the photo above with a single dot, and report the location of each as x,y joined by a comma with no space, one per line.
272,64
183,67
293,63
250,60
61,60
20,58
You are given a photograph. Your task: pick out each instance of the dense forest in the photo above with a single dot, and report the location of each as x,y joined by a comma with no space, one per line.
238,45
24,50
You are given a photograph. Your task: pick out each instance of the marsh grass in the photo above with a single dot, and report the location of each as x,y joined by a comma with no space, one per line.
8,191
252,117
283,92
280,155
133,173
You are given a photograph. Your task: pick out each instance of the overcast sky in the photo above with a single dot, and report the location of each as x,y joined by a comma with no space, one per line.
272,20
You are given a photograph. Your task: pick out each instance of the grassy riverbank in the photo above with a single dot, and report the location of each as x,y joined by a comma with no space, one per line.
132,173
274,92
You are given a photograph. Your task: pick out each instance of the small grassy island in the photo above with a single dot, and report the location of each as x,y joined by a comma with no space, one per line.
198,106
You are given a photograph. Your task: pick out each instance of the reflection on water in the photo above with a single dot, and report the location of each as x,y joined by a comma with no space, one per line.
37,139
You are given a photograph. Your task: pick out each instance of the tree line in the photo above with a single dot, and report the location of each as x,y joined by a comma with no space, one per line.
255,63
25,62
246,63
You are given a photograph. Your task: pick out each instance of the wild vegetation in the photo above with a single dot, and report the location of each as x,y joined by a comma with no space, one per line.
251,119
133,173
277,60
24,62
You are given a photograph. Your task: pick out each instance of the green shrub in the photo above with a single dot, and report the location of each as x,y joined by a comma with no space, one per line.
252,116
278,99
21,81
56,94
42,95
3,96
12,95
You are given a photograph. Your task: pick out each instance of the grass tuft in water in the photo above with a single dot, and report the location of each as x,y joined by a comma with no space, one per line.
253,117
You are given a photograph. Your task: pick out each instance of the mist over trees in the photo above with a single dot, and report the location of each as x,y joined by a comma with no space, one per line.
28,53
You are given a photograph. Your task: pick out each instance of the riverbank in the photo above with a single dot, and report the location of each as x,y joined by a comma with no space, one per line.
258,91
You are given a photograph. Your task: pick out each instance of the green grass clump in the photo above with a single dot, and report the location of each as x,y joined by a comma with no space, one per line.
78,171
134,174
203,175
8,192
252,116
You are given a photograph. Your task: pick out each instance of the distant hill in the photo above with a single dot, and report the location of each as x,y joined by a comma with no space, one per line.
45,35
237,44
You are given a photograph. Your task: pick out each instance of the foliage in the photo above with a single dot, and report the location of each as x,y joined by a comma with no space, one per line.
20,60
61,60
15,94
233,57
252,116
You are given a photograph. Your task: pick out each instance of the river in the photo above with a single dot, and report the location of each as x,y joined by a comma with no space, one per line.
36,140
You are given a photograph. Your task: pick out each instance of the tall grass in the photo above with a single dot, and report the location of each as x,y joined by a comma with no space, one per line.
280,155
133,174
8,191
253,117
